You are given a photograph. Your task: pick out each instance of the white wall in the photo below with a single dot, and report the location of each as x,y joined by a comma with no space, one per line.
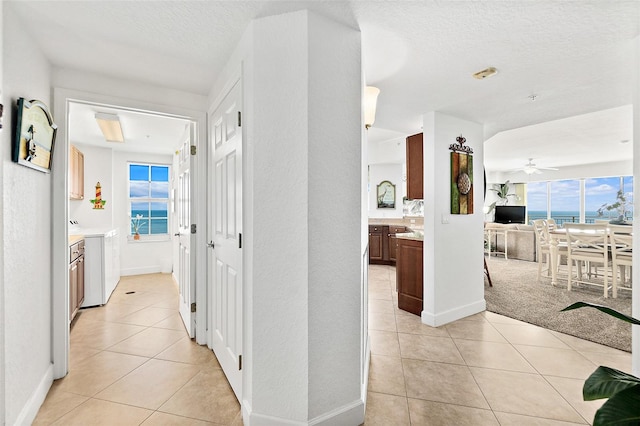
143,256
27,227
97,168
303,144
453,255
377,174
635,308
3,158
389,151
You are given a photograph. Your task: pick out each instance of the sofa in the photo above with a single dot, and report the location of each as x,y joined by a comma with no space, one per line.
521,240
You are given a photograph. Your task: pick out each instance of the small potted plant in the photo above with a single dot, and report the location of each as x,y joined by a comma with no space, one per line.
136,223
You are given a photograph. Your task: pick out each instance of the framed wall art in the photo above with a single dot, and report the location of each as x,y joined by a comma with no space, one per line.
35,136
386,192
461,177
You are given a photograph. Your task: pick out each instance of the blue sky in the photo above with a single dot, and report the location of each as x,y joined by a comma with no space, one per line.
565,194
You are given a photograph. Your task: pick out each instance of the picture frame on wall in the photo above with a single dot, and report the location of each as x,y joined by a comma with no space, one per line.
35,135
386,194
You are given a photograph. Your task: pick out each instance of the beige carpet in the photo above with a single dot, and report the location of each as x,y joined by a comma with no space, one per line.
516,294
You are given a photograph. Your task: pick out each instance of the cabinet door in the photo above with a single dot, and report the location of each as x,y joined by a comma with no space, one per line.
415,166
73,289
409,276
393,241
375,244
80,282
80,180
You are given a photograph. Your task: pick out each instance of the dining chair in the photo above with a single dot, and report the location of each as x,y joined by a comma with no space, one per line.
587,243
542,245
621,243
551,224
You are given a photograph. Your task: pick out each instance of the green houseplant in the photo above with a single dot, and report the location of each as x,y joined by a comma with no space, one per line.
502,191
622,389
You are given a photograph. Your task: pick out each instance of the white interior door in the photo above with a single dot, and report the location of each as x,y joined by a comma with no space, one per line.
183,238
225,226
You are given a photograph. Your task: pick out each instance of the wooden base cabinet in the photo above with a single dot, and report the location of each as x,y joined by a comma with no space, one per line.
410,275
382,243
76,278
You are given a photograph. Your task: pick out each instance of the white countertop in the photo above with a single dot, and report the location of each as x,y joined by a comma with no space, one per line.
416,235
92,232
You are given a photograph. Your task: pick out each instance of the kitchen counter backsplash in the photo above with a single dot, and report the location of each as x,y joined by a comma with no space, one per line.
413,208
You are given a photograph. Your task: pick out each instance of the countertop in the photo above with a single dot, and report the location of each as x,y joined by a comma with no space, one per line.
416,236
415,226
75,238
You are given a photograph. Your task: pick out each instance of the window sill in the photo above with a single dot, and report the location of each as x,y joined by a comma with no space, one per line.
149,238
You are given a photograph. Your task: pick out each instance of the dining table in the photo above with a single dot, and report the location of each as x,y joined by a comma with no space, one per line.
556,237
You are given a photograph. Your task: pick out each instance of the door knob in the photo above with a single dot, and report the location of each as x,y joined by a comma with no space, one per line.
210,244
177,234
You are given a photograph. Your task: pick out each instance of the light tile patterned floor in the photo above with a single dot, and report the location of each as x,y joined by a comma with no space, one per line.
483,370
132,363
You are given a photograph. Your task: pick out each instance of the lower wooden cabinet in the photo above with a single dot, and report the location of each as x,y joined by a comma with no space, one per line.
410,275
382,243
76,278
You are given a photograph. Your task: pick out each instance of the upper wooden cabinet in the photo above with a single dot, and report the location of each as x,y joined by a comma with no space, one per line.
415,165
76,173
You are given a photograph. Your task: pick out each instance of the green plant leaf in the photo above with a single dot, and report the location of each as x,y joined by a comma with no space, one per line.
604,309
606,382
621,409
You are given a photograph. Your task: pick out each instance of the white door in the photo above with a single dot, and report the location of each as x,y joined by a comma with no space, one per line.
183,237
224,260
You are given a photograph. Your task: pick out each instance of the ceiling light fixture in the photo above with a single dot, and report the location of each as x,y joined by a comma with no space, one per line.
370,102
110,127
481,75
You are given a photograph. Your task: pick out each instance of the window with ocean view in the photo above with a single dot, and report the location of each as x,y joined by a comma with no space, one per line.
149,198
564,197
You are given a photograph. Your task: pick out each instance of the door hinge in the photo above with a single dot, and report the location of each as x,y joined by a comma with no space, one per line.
193,228
194,149
239,362
193,307
240,240
239,119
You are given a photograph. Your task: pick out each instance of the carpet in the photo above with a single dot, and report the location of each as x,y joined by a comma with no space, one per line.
517,294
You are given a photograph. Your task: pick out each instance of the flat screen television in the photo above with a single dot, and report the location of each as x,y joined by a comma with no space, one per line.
510,214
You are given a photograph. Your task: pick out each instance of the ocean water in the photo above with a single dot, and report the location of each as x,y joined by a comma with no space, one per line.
570,216
159,223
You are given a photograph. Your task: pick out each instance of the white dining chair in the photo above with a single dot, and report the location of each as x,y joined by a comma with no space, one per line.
543,243
587,243
621,245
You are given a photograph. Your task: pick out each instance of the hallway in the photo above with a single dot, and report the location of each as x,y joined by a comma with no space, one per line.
133,364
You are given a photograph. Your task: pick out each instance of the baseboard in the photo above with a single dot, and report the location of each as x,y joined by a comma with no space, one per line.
350,414
30,410
442,318
141,271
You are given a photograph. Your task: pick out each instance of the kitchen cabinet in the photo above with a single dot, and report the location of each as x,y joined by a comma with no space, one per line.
393,230
76,173
415,168
410,275
376,253
76,277
382,243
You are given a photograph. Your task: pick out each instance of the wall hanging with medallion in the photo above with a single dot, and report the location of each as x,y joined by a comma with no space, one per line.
461,177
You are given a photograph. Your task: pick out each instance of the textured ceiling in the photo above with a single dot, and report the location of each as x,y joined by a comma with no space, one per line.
577,57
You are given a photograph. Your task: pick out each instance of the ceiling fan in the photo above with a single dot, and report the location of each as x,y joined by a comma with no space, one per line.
530,168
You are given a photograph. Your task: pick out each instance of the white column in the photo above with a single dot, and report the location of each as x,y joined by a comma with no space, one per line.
635,308
453,244
304,139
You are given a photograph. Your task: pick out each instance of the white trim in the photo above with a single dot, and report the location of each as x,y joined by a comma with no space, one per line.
349,414
30,410
60,268
436,320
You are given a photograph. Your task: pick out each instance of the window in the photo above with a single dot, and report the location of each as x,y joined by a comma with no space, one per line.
537,200
149,198
565,201
598,192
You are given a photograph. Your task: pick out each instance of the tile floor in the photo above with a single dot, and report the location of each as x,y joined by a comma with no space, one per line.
483,370
131,363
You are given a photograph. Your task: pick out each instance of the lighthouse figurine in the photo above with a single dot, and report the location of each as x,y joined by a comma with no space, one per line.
98,202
